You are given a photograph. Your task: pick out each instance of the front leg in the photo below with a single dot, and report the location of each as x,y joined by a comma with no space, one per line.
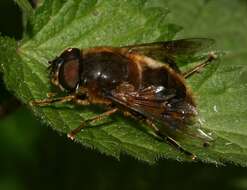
51,100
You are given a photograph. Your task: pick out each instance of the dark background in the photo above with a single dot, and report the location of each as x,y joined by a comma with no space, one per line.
33,156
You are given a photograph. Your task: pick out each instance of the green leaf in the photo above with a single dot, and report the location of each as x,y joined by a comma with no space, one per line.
58,24
27,11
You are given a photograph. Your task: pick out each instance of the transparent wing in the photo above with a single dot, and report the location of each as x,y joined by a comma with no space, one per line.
154,102
173,47
173,50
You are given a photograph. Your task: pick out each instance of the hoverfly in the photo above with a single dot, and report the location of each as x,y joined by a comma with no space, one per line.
142,81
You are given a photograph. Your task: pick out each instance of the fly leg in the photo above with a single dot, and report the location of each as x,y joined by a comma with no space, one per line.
51,100
73,133
156,130
211,56
170,140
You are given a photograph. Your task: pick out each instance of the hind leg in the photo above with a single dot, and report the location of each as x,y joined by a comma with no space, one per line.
211,56
170,140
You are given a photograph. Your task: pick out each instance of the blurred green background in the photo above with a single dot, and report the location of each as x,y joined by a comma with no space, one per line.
33,156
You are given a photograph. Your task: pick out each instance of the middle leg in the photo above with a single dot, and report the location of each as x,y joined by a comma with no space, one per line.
73,133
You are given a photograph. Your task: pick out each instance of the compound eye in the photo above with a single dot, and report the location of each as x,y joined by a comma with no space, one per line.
69,74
